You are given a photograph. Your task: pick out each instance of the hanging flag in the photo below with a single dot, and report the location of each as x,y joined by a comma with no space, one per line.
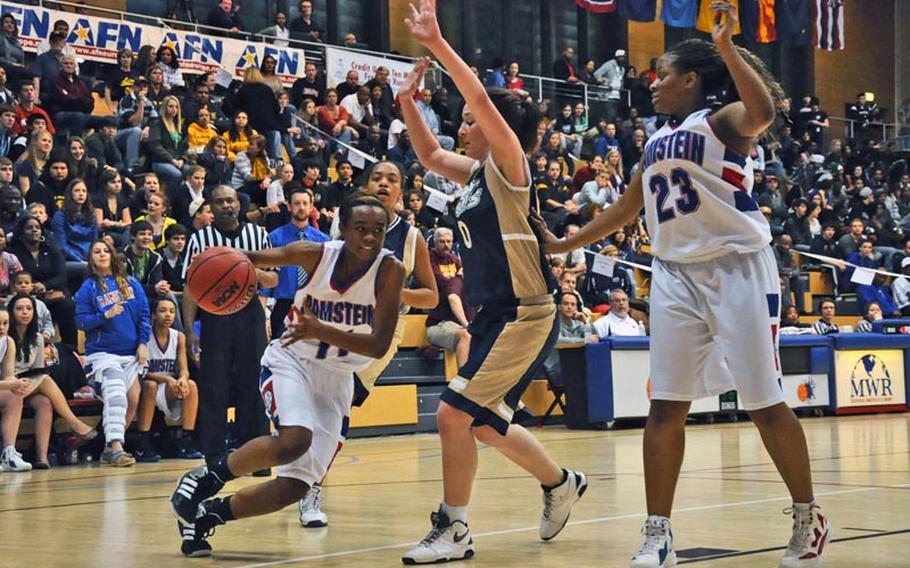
598,6
679,13
638,10
794,21
705,21
767,23
828,24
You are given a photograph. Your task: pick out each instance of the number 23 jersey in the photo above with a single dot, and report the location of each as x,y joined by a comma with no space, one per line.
698,195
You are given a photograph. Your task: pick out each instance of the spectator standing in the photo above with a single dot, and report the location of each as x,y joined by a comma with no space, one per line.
310,86
61,27
112,309
292,278
277,34
387,98
231,345
304,27
47,65
269,76
564,68
513,81
258,101
222,17
612,75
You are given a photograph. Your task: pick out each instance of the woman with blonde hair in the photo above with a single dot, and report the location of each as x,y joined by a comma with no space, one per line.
613,165
167,144
258,100
32,162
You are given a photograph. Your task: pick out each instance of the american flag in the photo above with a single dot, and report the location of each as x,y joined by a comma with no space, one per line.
828,24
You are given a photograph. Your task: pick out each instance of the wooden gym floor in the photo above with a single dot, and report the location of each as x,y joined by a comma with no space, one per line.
381,492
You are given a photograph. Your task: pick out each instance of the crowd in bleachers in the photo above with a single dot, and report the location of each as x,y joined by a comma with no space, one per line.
77,181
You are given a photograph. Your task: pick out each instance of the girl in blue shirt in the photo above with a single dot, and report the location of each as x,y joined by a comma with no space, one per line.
112,310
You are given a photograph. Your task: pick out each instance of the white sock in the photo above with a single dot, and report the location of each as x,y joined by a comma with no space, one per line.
455,513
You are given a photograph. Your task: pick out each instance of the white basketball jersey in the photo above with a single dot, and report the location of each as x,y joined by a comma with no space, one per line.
698,195
164,359
348,306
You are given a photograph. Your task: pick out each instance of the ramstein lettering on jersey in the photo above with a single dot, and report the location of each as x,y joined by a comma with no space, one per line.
679,145
165,366
346,313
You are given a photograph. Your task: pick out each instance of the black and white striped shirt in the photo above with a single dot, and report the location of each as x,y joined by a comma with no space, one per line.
248,237
822,327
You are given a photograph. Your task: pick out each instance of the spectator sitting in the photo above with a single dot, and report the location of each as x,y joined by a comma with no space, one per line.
75,229
48,269
11,211
9,265
574,261
168,145
113,308
585,173
350,86
252,174
597,286
102,148
167,386
310,86
825,244
121,80
565,125
269,76
275,195
431,118
900,287
200,132
23,286
424,218
202,216
52,182
850,242
217,164
239,134
157,219
146,265
25,107
360,111
618,321
135,113
825,325
873,314
600,191
158,89
7,134
553,197
113,213
863,257
788,269
11,390
172,256
167,60
69,99
333,119
202,97
447,323
554,152
774,200
189,191
139,199
879,292
790,318
289,128
606,139
45,396
7,98
574,329
80,164
304,27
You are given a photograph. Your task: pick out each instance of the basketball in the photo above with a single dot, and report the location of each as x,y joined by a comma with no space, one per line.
222,280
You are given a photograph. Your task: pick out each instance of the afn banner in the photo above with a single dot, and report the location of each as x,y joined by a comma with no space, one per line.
99,39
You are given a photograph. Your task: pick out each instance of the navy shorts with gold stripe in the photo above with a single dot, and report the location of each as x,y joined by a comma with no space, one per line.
507,345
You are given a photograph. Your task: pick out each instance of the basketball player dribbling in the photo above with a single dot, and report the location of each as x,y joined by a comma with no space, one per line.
715,289
384,181
505,274
344,318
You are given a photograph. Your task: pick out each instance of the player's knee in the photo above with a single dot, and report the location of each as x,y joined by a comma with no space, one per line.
487,435
194,390
771,416
667,414
292,443
449,418
40,403
149,388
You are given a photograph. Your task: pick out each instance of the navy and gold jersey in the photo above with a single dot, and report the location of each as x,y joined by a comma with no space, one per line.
401,239
503,264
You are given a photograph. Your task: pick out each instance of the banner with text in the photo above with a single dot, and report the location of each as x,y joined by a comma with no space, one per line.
99,39
339,61
870,378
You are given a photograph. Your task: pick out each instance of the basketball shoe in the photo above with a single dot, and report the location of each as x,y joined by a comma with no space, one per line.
446,541
558,501
657,551
311,515
194,487
811,531
190,545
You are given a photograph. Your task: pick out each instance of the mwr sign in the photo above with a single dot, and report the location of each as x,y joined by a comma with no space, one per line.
870,378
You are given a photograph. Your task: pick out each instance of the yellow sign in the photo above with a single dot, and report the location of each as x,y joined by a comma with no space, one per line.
870,378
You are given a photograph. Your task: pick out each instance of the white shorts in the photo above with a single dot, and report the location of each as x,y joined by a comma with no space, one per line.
714,329
301,392
174,411
97,363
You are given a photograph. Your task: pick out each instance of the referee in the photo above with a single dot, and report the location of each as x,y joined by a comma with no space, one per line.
231,345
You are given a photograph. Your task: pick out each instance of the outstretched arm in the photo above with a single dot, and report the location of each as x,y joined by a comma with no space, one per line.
299,253
611,220
505,149
752,115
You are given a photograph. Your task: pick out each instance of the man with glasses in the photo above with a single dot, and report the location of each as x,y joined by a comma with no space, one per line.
69,99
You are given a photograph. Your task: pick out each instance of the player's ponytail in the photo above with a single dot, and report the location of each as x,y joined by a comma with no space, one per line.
521,114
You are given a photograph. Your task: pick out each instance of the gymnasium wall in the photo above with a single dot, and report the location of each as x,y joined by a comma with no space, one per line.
867,63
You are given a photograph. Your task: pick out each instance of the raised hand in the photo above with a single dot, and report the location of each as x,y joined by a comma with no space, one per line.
423,24
725,21
412,82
